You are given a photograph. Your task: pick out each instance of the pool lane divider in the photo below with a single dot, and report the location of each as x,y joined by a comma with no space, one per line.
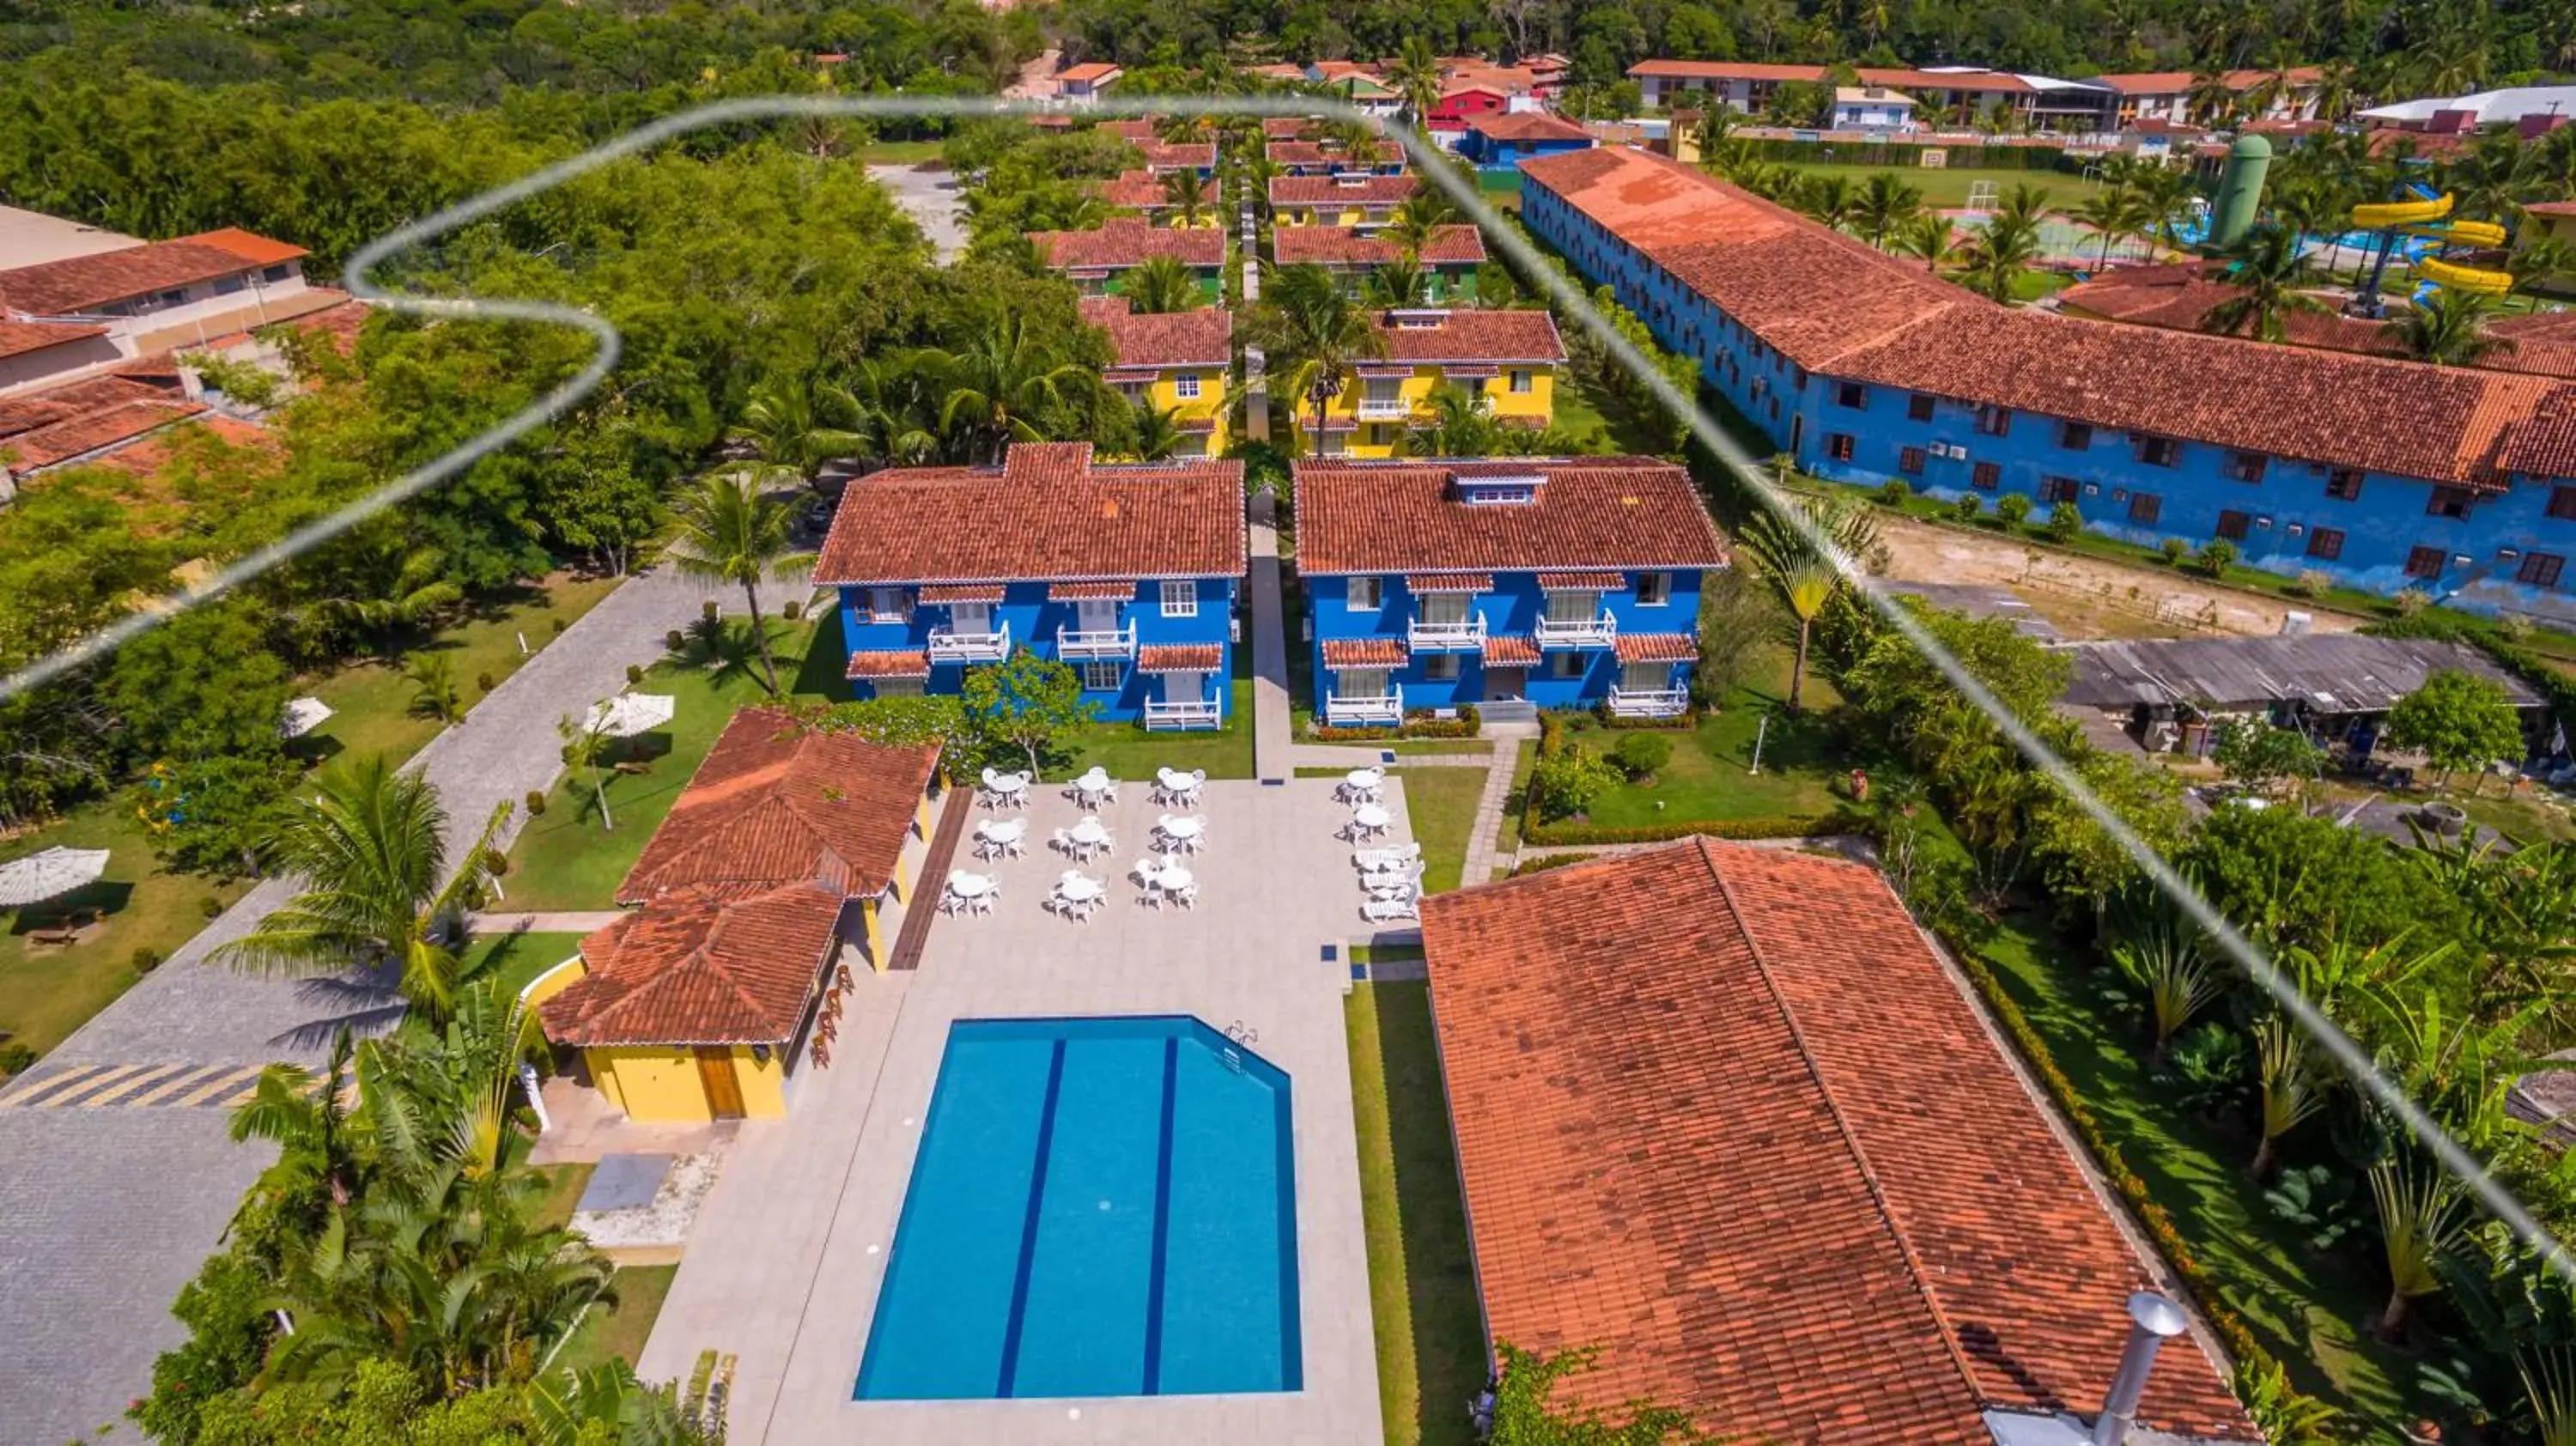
1029,1224
1162,1220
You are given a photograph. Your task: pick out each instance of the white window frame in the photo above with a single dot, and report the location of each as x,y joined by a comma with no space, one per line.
1645,677
900,611
970,617
1180,597
1565,667
1524,382
1098,668
1185,386
1660,584
1363,594
1440,667
1443,607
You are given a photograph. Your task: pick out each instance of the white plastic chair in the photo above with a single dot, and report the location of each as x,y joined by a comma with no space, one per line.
1386,858
1148,875
1186,896
1064,843
1382,911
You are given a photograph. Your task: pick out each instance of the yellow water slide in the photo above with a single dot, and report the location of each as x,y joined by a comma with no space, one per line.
2426,218
2387,215
2463,278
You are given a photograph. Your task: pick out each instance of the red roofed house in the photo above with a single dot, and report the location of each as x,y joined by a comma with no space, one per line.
1099,259
761,893
1326,158
1086,84
1146,193
2166,94
1724,1116
83,422
1564,582
2378,472
1504,360
1449,258
1343,200
88,312
1463,101
1502,142
1127,573
1173,362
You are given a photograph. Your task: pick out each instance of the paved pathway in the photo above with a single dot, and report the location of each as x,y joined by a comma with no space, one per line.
575,922
116,1172
1273,737
933,201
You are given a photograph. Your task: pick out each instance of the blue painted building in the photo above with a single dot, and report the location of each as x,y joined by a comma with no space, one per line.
1126,573
1501,142
2379,473
1566,582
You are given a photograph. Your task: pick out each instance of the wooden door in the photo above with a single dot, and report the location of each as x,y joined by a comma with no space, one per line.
723,1087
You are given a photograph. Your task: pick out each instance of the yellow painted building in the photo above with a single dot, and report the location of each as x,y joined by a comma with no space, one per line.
1347,200
1506,360
1178,362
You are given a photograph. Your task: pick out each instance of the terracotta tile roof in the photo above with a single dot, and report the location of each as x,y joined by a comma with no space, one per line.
773,805
2180,297
1285,127
1116,589
1579,581
255,249
1721,1113
1723,70
1592,512
1365,653
2147,82
889,663
1317,153
1348,246
29,410
1124,241
1472,336
1138,190
963,592
1339,190
85,283
1180,658
1528,125
155,451
2544,445
89,432
1200,337
696,968
1835,306
1504,650
17,338
1656,648
1094,71
1178,155
1048,515
1139,129
1449,582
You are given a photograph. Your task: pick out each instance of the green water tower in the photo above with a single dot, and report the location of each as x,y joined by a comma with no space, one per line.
2240,191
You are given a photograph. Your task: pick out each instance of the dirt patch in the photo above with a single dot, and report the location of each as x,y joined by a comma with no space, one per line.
2089,596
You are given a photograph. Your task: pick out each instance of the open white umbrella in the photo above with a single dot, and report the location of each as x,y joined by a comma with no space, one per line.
628,714
303,715
49,874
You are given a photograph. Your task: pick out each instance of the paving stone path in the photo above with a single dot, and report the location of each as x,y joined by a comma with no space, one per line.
116,1172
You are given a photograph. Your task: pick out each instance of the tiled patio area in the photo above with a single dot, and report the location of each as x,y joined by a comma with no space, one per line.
784,1267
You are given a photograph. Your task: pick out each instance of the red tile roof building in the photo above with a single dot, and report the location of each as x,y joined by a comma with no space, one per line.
1429,334
1527,126
83,285
698,969
1346,248
1049,513
1722,1114
1332,193
1124,242
1201,337
1406,516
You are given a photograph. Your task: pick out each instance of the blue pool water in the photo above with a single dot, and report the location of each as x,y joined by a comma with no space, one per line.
1099,1207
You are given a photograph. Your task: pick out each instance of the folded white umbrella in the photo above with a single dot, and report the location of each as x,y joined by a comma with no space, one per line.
47,875
303,715
628,714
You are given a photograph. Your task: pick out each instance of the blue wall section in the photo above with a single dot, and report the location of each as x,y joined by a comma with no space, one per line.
2361,529
1034,621
1512,609
1493,155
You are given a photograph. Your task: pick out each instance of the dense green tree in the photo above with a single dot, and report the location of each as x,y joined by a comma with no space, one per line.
730,531
2459,720
1314,337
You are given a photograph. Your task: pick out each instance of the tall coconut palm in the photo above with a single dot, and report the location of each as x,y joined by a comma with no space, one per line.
1162,284
379,888
1715,137
2164,196
1803,575
1002,384
1398,283
1928,239
2115,213
1418,217
1827,197
1997,256
1185,191
1314,335
2535,263
793,424
1886,204
2263,273
1158,432
1458,426
731,531
1416,77
1256,172
2450,329
2209,98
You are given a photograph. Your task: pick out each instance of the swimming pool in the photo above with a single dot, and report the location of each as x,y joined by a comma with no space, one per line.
1099,1207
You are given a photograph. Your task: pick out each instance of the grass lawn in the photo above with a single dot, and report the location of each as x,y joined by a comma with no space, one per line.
1710,774
564,1184
520,957
1422,1289
49,990
1948,189
896,153
618,1333
1128,751
2530,818
1509,840
1442,804
2308,1310
371,699
565,860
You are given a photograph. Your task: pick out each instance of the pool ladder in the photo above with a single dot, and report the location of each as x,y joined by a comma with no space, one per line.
1242,1036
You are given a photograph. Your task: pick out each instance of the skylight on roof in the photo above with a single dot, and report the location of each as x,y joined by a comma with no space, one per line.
1416,318
1500,490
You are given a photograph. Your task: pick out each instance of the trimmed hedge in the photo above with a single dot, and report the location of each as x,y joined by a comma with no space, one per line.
1545,862
1681,722
1419,724
1905,155
1787,826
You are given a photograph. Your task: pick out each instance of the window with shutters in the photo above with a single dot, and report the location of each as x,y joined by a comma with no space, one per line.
2233,525
2540,569
2426,562
2325,543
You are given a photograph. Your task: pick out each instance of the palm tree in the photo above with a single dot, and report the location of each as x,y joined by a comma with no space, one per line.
1997,256
1186,192
1927,238
403,587
1161,284
1886,203
2535,262
789,429
1804,576
1398,283
2294,1085
2419,1212
307,1118
2115,213
1415,76
2161,955
2450,329
1257,171
379,887
1826,197
2264,270
2163,195
2210,99
730,531
1459,426
435,694
1315,336
1418,217
1715,136
1182,130
1002,383
1158,432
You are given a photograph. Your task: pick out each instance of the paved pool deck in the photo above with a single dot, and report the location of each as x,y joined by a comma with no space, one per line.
791,1246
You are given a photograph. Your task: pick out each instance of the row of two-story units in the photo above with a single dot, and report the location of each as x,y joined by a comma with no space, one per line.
1428,583
2379,473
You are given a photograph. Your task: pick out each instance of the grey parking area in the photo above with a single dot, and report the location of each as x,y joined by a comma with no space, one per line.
931,198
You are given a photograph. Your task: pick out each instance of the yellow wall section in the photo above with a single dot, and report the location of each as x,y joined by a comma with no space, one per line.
874,916
1537,404
662,1086
1208,405
764,1086
553,982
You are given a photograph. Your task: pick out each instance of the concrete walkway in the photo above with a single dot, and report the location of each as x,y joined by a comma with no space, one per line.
1273,728
110,1211
542,923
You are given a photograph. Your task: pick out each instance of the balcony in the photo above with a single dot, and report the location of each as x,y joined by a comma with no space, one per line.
1365,709
1205,714
1597,632
947,646
1467,636
1648,702
1074,645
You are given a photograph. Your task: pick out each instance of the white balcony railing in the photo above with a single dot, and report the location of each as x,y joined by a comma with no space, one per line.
1204,714
1072,644
1464,636
947,646
1600,632
1382,409
1386,707
1648,702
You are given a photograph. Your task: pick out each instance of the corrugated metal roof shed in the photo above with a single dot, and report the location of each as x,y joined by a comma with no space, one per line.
2329,672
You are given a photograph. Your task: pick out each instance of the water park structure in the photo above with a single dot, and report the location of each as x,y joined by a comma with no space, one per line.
2424,227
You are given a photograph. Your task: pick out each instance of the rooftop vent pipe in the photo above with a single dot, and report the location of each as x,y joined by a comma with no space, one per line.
2153,1320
